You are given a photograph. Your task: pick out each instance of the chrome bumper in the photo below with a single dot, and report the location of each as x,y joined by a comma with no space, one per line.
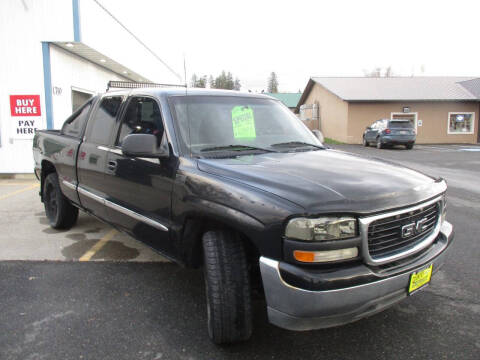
293,308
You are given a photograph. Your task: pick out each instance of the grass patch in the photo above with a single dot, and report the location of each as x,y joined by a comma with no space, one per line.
332,141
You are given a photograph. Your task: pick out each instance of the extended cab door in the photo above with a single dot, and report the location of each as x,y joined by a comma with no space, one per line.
93,152
72,133
139,189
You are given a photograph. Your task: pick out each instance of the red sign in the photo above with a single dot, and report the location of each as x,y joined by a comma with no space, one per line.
25,105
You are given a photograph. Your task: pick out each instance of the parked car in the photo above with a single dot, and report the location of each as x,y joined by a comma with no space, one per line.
387,132
237,185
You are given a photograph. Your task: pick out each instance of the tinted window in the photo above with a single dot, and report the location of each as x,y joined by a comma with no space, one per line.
75,124
209,121
104,120
401,124
142,116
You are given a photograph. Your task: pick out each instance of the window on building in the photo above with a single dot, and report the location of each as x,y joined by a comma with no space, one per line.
74,125
142,116
79,98
104,120
460,123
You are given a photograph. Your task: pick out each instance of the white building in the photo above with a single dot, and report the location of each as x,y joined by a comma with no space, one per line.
55,55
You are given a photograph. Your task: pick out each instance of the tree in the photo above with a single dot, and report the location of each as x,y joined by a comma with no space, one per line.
198,82
237,85
272,83
379,72
224,81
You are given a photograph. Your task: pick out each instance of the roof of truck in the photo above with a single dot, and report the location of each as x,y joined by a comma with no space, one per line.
186,91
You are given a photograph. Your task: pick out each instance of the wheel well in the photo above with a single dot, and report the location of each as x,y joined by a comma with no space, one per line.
192,240
47,168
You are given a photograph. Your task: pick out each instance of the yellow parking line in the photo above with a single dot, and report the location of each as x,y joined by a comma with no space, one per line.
100,244
19,191
15,184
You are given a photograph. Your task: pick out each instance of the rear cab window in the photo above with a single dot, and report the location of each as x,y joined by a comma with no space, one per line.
101,126
75,124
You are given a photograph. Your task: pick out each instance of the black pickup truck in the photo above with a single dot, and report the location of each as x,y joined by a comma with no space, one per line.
235,184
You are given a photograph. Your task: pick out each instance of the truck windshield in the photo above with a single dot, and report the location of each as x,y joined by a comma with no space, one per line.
209,123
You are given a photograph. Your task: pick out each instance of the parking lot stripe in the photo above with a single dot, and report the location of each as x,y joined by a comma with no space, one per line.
95,248
19,191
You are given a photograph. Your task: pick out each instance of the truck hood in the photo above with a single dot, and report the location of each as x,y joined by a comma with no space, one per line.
329,180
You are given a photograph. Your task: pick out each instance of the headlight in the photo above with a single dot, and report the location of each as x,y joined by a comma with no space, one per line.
322,229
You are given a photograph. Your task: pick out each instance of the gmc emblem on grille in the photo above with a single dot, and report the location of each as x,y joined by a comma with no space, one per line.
414,228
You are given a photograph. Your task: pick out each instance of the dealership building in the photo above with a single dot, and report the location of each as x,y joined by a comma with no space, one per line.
55,55
442,109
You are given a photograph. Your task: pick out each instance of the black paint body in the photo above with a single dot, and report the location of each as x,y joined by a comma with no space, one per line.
255,194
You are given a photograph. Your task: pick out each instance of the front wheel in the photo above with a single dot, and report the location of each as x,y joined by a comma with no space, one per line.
409,146
227,287
365,142
60,212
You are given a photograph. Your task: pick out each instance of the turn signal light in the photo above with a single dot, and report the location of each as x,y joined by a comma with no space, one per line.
325,256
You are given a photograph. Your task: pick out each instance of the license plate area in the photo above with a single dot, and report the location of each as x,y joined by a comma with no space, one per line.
420,278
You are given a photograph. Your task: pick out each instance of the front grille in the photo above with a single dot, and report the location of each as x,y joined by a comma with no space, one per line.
385,235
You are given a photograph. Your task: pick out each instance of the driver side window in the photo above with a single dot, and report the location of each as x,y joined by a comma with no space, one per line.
142,116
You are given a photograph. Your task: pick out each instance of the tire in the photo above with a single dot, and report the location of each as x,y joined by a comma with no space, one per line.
227,286
409,146
379,143
365,142
60,212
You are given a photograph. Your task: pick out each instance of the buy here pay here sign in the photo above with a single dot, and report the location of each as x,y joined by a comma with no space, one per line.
26,115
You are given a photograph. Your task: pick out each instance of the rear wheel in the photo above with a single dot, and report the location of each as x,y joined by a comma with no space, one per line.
227,287
409,146
60,212
365,142
379,143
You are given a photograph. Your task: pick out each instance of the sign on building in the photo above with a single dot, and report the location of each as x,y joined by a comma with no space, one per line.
26,115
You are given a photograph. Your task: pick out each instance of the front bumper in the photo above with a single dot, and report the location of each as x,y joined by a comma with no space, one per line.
295,308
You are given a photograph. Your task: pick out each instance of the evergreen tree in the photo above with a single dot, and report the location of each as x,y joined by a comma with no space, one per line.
272,83
198,82
237,85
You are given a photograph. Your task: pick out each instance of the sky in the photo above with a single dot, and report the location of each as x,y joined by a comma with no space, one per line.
299,39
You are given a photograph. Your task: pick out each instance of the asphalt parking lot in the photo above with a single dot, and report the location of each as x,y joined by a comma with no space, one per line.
93,293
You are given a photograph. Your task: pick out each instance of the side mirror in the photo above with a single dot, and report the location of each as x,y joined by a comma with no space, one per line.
369,128
318,134
144,145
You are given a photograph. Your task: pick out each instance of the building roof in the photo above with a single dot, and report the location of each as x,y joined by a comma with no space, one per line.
473,86
423,88
289,99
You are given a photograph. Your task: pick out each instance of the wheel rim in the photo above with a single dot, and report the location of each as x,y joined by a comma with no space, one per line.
51,205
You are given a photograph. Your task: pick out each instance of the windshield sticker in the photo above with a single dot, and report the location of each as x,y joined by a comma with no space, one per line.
243,122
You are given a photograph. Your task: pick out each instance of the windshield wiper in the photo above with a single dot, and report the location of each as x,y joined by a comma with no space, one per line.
236,147
297,144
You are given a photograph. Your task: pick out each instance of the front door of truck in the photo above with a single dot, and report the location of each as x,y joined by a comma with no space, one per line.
92,156
139,189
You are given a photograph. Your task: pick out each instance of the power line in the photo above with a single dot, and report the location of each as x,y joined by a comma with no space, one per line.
140,41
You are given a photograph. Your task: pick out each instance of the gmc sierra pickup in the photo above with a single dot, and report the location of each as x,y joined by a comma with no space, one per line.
236,184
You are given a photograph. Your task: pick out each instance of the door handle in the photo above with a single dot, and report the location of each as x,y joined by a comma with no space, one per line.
112,165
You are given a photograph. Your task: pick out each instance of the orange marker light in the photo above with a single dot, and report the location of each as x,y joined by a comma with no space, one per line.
325,256
304,256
